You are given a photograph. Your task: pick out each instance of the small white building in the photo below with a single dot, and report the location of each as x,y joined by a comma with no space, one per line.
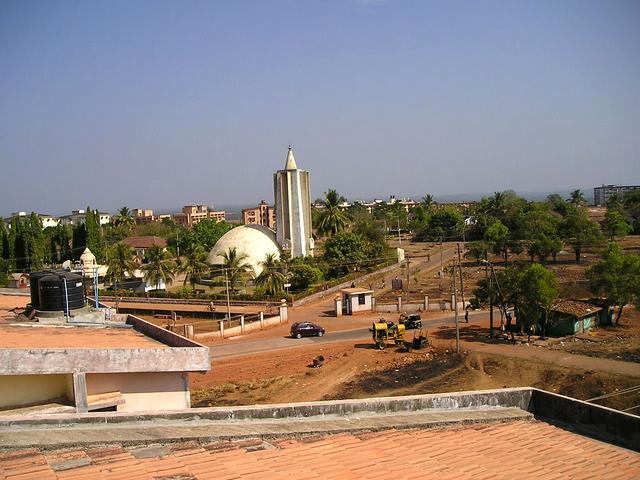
353,301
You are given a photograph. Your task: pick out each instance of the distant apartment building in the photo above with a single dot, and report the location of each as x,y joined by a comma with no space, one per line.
601,195
47,220
263,214
142,215
193,214
79,217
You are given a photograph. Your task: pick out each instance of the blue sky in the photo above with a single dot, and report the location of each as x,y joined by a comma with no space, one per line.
156,104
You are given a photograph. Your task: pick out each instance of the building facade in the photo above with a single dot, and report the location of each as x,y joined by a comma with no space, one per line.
292,190
79,217
193,214
142,215
264,214
601,195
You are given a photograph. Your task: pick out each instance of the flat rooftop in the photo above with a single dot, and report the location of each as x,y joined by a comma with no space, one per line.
32,336
520,449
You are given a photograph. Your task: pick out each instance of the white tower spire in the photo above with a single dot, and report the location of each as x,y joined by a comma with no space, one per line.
292,192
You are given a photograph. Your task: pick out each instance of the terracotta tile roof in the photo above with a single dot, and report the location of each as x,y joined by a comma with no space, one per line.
521,449
145,242
572,307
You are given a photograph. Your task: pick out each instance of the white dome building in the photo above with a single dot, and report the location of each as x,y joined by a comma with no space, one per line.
255,241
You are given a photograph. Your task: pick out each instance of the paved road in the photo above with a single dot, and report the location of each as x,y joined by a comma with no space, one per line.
231,349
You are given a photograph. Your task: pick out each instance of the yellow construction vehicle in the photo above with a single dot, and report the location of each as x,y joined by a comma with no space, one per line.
383,333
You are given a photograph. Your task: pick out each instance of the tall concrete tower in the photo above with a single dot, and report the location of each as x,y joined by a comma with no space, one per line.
292,192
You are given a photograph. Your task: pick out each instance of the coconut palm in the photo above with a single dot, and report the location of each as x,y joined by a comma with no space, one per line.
428,202
332,219
235,266
121,261
271,279
193,265
125,219
159,268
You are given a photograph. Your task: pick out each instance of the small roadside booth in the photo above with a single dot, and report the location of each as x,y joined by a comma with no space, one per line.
569,317
353,301
19,280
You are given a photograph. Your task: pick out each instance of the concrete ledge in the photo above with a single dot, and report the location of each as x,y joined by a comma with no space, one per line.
215,430
504,398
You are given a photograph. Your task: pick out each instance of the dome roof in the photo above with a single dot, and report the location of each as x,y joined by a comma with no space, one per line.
87,257
255,241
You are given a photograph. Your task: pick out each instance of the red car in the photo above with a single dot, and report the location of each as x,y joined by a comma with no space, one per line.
306,329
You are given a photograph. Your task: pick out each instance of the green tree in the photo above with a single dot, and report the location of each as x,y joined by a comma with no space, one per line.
477,249
538,292
632,209
579,231
120,263
235,266
577,198
271,279
207,232
193,265
124,219
615,224
94,239
557,203
304,275
617,276
159,268
428,202
331,219
345,251
499,238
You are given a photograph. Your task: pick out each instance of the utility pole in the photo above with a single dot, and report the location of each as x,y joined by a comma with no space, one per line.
226,282
178,242
407,258
399,238
455,307
491,306
460,271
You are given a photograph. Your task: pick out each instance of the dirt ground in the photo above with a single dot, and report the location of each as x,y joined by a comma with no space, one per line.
358,371
9,302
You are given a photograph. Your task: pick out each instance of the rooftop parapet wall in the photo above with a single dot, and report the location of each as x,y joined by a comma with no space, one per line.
585,418
589,419
28,361
161,334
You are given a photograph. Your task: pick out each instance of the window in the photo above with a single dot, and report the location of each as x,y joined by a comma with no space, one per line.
361,299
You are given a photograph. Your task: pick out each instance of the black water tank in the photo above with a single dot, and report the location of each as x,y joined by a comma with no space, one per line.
53,296
34,279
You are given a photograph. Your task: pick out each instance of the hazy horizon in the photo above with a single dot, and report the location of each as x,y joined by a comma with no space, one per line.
237,207
156,104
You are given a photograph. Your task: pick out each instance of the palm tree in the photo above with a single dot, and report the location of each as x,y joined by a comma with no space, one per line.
428,202
332,219
270,278
159,268
121,261
235,266
193,265
125,219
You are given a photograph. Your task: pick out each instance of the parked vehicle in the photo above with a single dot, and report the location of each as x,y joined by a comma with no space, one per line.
306,329
411,321
382,333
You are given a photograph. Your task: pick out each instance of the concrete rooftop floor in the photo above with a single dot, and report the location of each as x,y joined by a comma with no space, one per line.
36,336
